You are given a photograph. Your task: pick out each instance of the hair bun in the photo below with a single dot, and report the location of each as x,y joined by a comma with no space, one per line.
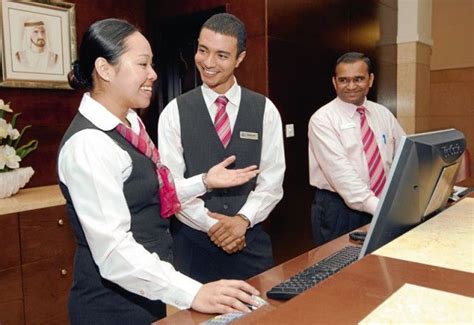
76,78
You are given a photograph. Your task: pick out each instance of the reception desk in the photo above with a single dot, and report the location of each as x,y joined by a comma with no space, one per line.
37,249
422,276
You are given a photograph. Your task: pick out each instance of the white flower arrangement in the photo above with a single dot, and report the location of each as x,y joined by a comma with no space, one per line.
10,152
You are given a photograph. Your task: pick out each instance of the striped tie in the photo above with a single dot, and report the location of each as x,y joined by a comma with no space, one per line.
169,202
372,154
221,121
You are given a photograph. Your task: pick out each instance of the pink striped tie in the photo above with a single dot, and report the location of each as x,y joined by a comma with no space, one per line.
372,154
221,121
169,202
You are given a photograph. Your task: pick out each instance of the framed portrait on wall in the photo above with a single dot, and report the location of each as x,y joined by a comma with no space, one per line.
37,43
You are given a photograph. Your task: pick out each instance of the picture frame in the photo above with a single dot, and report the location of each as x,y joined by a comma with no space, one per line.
37,43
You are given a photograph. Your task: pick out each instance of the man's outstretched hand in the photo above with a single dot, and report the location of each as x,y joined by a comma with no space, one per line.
221,177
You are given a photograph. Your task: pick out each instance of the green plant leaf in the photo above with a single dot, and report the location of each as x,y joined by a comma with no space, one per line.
15,116
24,150
17,141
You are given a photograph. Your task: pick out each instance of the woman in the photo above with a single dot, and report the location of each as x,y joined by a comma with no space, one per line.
116,189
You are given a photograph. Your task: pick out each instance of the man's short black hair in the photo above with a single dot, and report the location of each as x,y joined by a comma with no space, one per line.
351,57
229,25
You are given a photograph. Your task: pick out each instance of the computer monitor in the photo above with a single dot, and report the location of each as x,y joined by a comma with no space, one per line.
420,182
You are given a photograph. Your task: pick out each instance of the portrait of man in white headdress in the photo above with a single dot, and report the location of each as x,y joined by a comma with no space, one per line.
36,54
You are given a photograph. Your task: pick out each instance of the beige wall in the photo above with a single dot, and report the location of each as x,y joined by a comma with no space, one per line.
452,72
453,42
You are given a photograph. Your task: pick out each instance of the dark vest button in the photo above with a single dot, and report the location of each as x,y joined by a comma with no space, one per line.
225,206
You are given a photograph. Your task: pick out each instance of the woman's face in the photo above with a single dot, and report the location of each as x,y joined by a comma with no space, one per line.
133,76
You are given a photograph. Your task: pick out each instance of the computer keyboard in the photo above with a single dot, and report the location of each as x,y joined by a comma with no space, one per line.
314,274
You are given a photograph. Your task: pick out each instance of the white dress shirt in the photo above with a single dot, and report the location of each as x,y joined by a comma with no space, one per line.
268,191
94,169
336,155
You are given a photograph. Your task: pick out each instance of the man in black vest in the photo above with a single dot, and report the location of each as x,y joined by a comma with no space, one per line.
219,235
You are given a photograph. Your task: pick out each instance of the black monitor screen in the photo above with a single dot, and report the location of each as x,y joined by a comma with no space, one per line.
419,185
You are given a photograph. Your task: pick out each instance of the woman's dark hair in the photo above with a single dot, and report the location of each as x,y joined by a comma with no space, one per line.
104,38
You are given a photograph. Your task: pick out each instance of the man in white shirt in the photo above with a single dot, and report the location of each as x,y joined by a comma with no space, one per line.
219,235
345,197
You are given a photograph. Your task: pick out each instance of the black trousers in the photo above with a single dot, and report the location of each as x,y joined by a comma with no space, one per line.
197,257
331,217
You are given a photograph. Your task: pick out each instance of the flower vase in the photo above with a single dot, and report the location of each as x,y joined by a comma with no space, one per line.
13,180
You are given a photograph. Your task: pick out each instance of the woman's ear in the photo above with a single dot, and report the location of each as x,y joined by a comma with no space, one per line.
103,68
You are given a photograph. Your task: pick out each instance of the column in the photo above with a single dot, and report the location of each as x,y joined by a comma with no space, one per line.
414,54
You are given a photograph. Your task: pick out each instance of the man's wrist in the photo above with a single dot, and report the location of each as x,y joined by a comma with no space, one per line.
204,181
244,218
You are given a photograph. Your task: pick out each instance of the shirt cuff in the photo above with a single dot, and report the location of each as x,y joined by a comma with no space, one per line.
248,215
182,296
210,222
371,205
190,188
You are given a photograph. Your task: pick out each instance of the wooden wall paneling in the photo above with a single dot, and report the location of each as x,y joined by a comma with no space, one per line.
252,13
253,73
166,9
297,88
303,37
49,112
451,105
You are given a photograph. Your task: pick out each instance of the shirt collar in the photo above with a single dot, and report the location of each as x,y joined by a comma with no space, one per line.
351,109
232,94
101,117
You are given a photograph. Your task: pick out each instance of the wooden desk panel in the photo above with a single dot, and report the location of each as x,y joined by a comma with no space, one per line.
266,280
9,241
350,295
37,257
46,233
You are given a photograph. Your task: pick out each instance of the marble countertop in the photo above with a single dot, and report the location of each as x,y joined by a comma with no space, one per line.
412,304
447,240
32,199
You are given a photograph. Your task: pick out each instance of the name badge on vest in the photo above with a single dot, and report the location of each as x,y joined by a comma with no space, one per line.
248,135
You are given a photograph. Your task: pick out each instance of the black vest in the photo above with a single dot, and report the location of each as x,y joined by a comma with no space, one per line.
203,149
93,299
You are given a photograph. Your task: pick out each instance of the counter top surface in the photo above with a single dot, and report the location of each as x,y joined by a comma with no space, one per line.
447,240
32,199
